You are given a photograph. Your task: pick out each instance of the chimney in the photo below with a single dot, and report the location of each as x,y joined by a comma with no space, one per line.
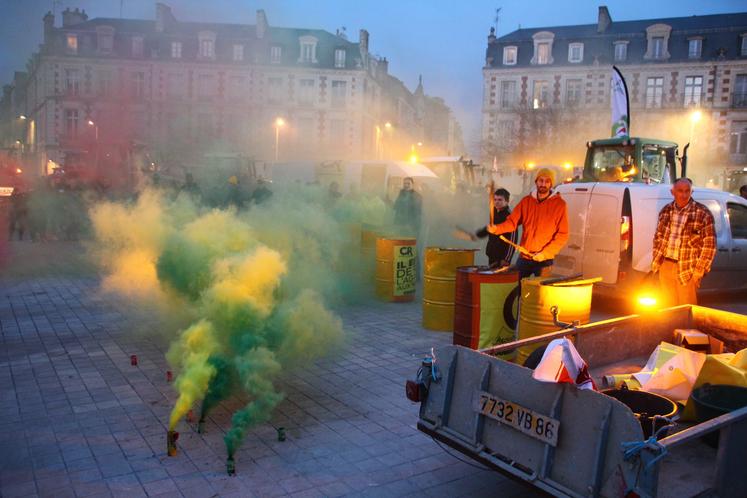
164,17
384,66
604,20
71,18
491,36
48,27
363,42
262,25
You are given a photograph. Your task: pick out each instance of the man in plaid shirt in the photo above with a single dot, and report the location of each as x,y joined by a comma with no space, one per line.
684,245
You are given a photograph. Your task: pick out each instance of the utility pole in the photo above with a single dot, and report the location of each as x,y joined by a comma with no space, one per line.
497,18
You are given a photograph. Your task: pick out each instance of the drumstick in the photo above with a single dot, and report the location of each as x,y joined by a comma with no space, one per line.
517,246
461,233
491,189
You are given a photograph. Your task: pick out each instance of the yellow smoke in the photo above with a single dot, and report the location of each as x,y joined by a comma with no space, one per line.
311,329
192,351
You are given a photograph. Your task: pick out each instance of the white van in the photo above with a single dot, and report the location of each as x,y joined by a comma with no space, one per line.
612,228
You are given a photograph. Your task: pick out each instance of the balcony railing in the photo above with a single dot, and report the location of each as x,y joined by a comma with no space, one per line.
739,99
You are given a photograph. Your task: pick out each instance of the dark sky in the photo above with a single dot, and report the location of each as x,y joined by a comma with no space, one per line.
444,40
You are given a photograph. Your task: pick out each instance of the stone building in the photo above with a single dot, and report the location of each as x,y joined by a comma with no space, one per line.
547,90
100,88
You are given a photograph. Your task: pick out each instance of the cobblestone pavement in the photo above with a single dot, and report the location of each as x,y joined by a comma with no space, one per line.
76,419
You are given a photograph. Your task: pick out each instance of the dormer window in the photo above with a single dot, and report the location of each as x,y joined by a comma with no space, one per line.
339,57
694,48
105,39
621,51
176,50
238,53
137,46
308,49
72,43
207,44
743,48
658,40
276,54
543,47
575,52
509,55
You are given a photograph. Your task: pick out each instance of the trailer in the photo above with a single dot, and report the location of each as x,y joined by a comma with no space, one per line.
582,443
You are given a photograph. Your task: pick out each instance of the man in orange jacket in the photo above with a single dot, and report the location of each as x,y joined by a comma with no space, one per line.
543,216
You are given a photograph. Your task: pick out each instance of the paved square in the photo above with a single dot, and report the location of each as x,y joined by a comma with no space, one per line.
76,419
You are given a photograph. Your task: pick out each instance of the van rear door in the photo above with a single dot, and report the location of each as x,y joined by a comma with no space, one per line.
601,247
570,259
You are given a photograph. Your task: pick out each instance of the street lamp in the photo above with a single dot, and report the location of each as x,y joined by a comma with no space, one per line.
279,123
95,130
96,136
22,117
695,117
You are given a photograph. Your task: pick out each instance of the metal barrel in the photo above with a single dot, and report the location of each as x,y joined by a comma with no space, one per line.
439,283
396,267
573,302
485,307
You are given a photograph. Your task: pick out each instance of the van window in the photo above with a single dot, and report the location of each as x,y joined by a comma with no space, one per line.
737,220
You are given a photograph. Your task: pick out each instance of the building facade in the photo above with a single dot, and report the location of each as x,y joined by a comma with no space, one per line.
99,88
547,90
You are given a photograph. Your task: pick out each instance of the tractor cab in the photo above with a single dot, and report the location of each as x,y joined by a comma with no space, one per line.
638,160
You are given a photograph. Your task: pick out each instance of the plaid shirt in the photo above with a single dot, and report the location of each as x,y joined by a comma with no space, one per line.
696,242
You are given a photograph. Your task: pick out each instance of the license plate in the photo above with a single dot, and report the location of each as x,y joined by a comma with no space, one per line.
517,417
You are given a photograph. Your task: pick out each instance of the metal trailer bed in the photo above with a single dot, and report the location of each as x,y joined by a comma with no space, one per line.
587,458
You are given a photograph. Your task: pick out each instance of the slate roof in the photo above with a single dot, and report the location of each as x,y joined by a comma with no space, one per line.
719,31
226,35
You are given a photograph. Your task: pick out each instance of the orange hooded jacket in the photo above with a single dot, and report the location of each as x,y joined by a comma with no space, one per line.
544,224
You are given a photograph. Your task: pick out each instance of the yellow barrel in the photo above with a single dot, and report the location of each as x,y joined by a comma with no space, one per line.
396,269
573,299
439,284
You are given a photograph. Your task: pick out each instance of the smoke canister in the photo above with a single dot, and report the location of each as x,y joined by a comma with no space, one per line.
190,417
169,376
201,426
281,433
133,360
171,437
231,466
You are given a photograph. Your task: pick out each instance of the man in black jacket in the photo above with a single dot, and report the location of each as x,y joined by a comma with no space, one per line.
499,253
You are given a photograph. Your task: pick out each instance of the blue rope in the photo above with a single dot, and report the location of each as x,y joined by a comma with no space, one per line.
633,449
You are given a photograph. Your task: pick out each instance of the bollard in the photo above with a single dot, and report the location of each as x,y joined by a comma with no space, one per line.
169,376
281,433
171,437
231,466
133,360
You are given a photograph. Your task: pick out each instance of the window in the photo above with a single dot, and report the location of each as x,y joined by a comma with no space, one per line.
71,122
339,57
738,138
575,52
137,46
539,95
236,86
275,54
505,133
306,91
206,44
308,49
105,39
654,92
337,130
693,90
737,219
657,47
175,87
104,77
743,49
176,50
137,88
621,51
572,92
275,86
206,86
739,97
72,43
339,93
72,81
543,53
508,94
238,53
694,48
306,131
509,56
